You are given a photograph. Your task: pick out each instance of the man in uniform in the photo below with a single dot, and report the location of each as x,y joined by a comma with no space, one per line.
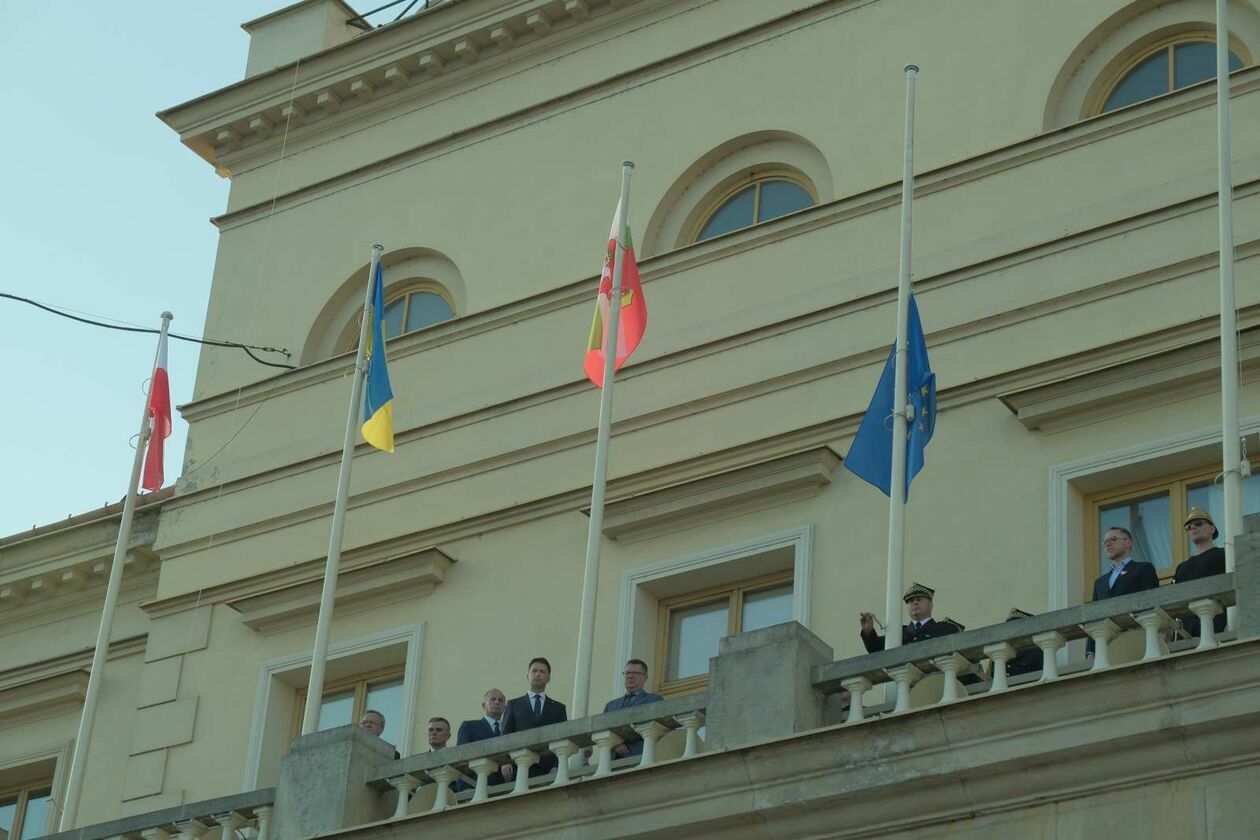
918,599
1028,661
1208,560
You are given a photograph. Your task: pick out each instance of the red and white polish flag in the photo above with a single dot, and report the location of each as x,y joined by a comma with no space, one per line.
159,421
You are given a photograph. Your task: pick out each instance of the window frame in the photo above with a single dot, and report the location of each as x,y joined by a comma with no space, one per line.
734,593
24,791
1168,44
350,337
754,178
360,682
1177,485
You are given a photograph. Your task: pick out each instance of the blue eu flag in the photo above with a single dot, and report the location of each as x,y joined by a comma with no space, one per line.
870,456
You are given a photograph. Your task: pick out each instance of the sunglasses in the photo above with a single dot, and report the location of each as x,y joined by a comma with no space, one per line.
1194,523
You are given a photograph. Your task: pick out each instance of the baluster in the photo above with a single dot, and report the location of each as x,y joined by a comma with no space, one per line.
905,676
857,687
155,834
263,814
562,750
443,775
1000,654
691,721
484,768
1154,622
1050,642
404,784
229,822
191,829
1206,609
524,759
1102,632
650,732
951,665
604,740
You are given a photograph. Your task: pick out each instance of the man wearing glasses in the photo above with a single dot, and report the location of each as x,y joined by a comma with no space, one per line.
636,674
1208,560
1126,575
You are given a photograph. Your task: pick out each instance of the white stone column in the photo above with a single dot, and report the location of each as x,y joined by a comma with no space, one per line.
404,784
563,750
443,776
1102,632
691,721
1206,609
1050,642
1154,622
484,768
154,834
650,732
904,676
524,759
857,688
951,664
191,829
604,740
228,823
1000,654
263,815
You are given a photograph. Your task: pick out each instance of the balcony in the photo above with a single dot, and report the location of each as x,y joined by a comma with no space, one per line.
1151,736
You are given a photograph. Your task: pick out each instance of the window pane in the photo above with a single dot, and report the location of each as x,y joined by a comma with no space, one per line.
767,607
425,310
736,213
1150,78
8,810
336,710
1211,497
394,317
1148,520
35,822
778,198
693,638
387,698
1196,62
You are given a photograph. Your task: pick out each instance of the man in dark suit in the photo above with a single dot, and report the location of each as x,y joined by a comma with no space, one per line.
1208,560
489,725
918,600
1126,575
534,708
635,674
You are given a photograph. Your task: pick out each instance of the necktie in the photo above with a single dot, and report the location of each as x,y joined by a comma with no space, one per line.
625,701
496,729
537,706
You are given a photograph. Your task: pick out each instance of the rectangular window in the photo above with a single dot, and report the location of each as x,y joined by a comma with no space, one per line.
690,625
24,811
1153,511
344,701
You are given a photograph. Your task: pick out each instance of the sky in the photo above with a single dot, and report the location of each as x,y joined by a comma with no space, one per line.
103,211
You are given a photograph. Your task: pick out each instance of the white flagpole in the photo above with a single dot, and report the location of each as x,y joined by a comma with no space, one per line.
1231,450
315,684
590,575
901,409
74,784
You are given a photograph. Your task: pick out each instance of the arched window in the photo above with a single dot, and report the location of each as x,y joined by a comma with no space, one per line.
1167,67
766,198
414,310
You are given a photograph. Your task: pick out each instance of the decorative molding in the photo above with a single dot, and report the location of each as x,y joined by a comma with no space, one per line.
405,577
800,540
801,475
1188,371
70,663
83,578
412,636
42,697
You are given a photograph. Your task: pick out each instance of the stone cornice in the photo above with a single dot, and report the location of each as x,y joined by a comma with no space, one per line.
70,663
70,583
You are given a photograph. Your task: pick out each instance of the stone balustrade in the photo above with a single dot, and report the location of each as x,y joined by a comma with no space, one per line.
584,749
1152,614
243,816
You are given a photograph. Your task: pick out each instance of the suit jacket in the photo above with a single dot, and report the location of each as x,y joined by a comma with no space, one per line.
634,743
477,730
520,716
930,629
1205,564
1136,577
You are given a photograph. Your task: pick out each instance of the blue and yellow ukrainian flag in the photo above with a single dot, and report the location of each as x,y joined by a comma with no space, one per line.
378,397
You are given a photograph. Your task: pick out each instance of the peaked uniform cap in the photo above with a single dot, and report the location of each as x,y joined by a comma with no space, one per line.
1016,612
918,590
1200,513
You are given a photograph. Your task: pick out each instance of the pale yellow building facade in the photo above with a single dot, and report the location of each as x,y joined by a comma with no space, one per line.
1065,266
